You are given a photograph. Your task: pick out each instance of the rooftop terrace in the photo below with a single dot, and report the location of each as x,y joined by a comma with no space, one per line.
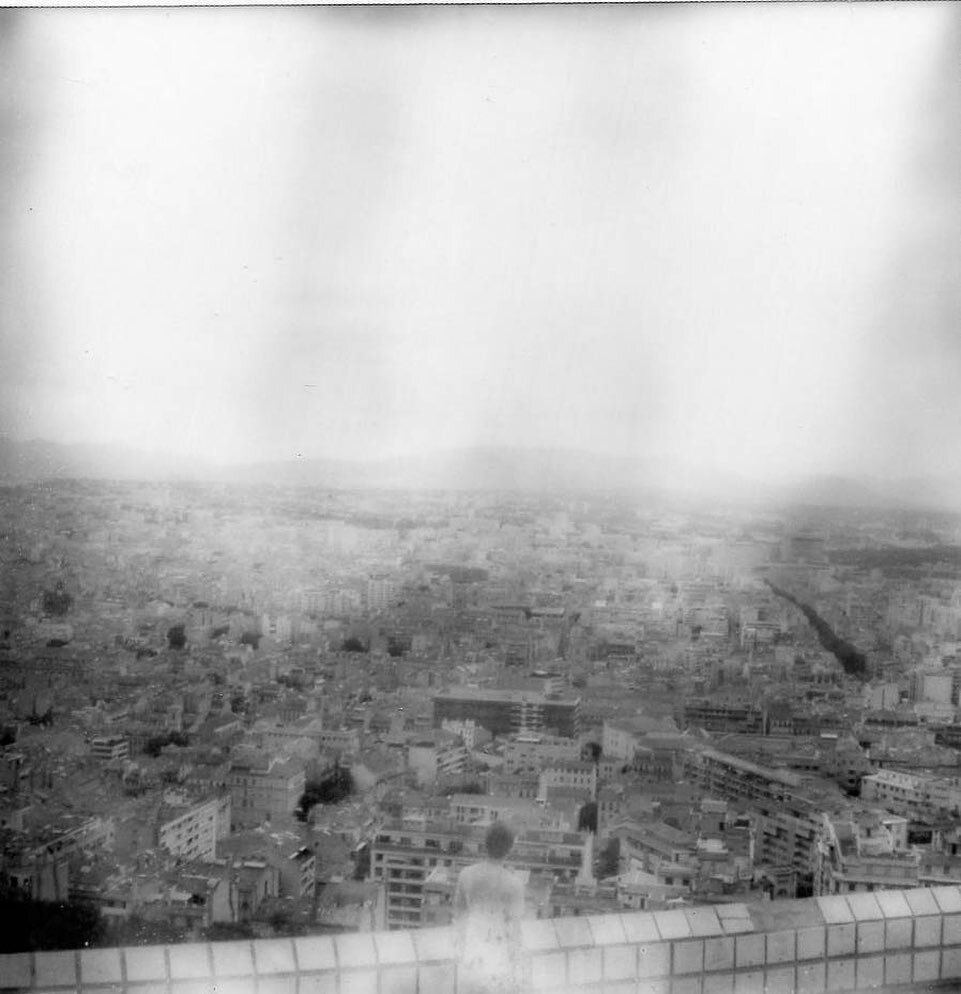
889,940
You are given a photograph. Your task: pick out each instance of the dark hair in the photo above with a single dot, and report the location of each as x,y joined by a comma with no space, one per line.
498,840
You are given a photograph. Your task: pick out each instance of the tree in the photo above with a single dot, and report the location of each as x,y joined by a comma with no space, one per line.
154,745
609,860
332,789
45,719
176,637
587,818
222,931
353,644
282,921
137,931
48,925
591,752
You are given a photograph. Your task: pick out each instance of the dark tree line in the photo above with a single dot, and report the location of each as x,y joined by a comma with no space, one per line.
854,662
896,558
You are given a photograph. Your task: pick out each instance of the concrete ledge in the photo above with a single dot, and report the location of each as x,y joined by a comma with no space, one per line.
893,940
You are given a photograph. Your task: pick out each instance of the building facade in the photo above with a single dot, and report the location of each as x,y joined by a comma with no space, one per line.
505,712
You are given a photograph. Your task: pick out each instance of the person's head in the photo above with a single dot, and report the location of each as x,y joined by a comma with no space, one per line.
498,840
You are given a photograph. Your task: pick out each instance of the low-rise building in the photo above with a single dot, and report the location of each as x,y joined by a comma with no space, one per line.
292,859
622,736
572,773
529,752
436,753
860,853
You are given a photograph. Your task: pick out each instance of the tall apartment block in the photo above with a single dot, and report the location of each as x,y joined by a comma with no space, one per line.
789,822
506,712
404,854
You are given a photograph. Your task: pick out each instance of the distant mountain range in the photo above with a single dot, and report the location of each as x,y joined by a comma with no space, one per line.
490,469
22,462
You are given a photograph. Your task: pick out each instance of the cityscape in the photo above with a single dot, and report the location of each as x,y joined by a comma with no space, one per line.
264,711
480,491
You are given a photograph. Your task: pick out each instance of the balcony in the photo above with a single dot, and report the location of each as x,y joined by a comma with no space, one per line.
889,940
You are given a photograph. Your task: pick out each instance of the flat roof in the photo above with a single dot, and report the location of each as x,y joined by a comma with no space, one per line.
788,779
504,696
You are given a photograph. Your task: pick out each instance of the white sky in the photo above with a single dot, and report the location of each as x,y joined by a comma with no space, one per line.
728,234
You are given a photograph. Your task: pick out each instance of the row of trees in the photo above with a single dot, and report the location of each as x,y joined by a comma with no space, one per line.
177,636
851,659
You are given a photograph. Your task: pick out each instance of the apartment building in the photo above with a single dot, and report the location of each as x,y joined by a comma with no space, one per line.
381,591
505,712
732,778
862,853
404,855
71,834
293,864
441,884
788,821
512,784
473,735
621,737
277,736
264,788
191,829
916,796
109,747
724,716
37,877
470,809
529,752
301,871
344,740
436,753
572,773
643,841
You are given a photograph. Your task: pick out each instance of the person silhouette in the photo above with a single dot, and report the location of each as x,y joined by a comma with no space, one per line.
488,907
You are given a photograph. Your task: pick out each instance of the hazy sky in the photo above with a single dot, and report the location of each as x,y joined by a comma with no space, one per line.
727,233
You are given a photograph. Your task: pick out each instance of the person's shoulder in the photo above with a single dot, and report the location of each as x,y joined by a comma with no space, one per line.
513,880
469,872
